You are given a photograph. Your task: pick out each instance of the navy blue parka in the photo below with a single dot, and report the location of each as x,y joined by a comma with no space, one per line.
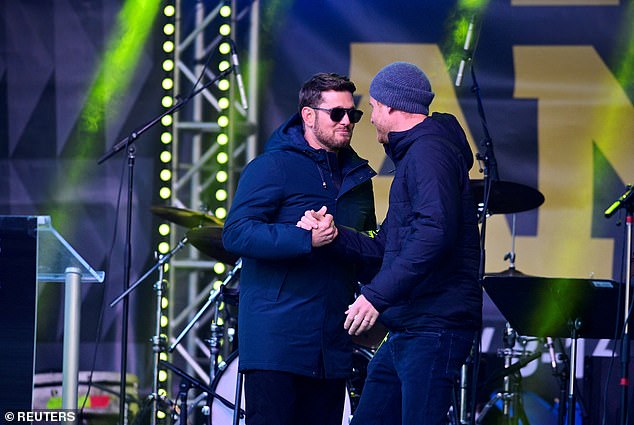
427,250
292,296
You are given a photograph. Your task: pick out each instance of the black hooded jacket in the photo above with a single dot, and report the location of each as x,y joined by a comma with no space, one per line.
428,245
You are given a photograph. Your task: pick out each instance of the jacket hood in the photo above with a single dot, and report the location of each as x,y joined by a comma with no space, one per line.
438,125
289,135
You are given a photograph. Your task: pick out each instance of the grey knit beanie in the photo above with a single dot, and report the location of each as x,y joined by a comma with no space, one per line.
402,86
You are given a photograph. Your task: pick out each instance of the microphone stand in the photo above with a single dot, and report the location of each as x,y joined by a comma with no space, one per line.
489,168
625,201
158,342
128,143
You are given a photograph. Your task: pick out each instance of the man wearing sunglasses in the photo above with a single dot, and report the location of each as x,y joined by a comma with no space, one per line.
294,351
426,291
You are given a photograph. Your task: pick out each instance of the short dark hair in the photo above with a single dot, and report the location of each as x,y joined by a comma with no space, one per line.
310,93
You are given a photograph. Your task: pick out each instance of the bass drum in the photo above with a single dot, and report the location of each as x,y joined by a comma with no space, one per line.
224,385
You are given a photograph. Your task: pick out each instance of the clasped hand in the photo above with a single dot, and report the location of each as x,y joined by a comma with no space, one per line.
321,225
361,315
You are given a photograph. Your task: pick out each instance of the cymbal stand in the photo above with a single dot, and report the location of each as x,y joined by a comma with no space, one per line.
216,330
511,254
158,342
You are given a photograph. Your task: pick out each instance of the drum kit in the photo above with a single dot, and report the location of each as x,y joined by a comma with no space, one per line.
205,234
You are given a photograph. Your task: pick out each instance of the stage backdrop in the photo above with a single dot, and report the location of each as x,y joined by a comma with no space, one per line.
554,76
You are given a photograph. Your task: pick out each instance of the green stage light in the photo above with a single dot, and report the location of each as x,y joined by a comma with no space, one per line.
222,139
221,213
167,84
225,11
223,85
224,30
167,120
168,29
223,65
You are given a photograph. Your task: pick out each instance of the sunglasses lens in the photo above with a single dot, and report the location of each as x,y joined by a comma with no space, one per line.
336,114
355,115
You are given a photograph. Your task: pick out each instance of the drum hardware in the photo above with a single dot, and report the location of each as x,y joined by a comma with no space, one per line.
216,330
158,342
225,385
191,382
511,394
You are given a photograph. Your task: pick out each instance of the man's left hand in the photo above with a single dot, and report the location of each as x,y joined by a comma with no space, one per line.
361,316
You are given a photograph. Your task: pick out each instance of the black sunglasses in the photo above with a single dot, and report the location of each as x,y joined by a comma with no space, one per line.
336,114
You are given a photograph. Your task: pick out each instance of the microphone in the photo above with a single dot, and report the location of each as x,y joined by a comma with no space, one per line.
620,202
466,54
236,70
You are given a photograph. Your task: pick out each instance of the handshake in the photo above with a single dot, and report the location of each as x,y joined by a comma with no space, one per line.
360,315
321,225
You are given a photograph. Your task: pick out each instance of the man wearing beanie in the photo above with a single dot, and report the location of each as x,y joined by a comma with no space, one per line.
426,290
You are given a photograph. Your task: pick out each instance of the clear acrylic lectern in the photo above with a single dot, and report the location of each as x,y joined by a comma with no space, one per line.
32,251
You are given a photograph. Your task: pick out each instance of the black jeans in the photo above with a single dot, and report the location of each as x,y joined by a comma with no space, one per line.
281,398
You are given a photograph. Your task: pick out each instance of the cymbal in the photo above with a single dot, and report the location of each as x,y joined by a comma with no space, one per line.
510,272
208,240
185,217
507,197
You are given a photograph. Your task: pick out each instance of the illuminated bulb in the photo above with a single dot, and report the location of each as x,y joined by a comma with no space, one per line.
167,83
163,247
222,158
162,376
168,46
221,213
223,85
219,268
166,156
223,121
224,29
225,11
223,102
224,48
222,139
166,120
166,137
221,194
164,302
166,175
168,29
223,65
164,229
167,101
222,176
164,321
168,65
169,10
165,193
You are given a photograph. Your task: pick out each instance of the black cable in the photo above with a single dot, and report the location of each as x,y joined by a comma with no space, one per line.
618,334
103,297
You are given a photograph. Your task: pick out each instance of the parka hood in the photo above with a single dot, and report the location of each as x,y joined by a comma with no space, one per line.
441,125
